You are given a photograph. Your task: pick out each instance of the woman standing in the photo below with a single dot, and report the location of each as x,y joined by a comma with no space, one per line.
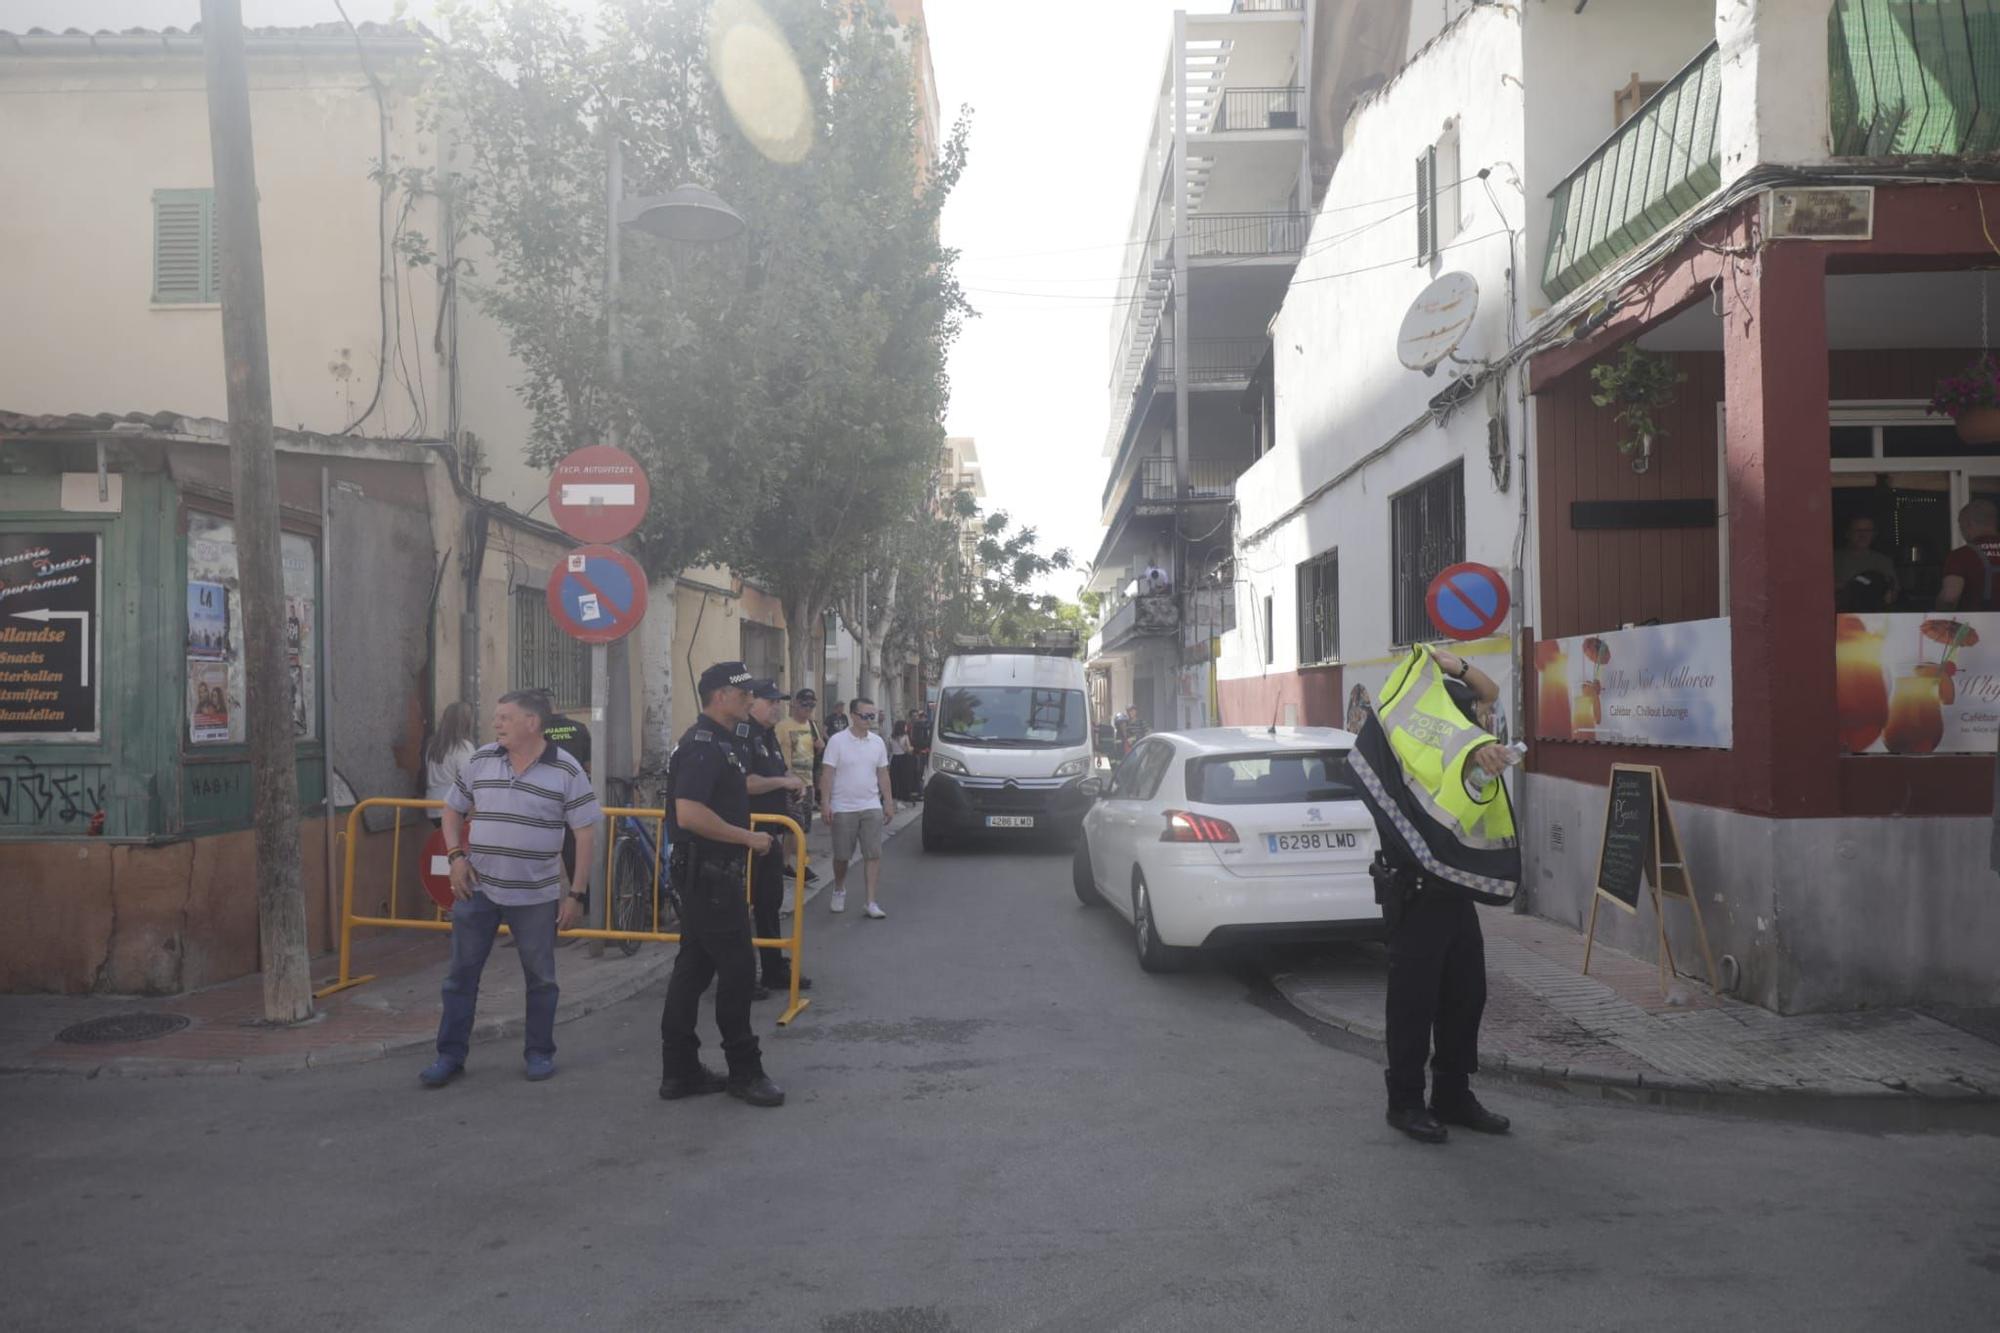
447,753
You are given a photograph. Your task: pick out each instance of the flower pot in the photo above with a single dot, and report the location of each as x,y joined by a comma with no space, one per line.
1980,425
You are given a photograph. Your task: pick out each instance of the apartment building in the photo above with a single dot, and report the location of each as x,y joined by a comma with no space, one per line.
1759,222
1218,222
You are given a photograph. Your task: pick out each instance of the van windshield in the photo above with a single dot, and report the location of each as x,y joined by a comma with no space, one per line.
1013,715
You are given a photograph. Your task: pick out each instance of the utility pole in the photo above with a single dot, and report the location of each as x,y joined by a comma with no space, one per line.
253,464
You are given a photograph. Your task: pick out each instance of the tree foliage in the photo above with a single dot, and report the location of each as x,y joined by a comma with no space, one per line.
785,389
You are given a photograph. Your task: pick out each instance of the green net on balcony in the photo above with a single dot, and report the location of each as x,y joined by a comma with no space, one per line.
1914,78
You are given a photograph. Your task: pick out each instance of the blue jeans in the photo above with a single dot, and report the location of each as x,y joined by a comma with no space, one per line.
474,923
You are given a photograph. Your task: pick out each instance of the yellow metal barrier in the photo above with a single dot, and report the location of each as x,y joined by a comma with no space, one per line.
348,920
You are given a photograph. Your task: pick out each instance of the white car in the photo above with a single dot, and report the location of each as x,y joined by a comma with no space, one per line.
1232,835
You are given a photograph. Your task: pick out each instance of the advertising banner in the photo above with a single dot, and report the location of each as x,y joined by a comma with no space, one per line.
1649,685
1912,683
214,649
49,650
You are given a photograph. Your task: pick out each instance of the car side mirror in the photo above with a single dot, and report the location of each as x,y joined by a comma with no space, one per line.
1091,787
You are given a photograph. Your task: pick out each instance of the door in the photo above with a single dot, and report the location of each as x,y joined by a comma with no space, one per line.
1121,815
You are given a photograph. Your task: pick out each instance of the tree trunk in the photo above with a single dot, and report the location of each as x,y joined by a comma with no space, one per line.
656,662
875,632
799,619
274,779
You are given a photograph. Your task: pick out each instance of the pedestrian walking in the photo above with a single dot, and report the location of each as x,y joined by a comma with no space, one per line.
708,820
804,745
1447,834
524,792
451,745
772,785
904,766
854,788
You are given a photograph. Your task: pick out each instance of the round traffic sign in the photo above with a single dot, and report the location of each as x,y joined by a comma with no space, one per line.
597,594
434,866
1467,601
599,494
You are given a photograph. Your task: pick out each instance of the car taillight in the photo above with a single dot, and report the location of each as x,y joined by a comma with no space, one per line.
1186,826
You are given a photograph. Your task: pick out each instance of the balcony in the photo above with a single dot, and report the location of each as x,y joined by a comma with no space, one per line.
1246,235
1907,80
1141,617
1211,362
1238,110
1266,6
1655,167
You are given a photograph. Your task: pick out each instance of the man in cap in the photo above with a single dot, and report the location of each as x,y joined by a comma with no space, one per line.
772,786
708,818
804,745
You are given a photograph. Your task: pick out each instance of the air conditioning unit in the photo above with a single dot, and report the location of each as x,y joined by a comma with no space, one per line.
1820,213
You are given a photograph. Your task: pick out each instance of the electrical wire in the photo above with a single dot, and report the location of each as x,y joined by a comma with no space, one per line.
381,224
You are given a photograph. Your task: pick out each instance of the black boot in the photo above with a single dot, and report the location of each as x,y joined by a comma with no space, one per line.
673,1087
1418,1123
1464,1109
756,1088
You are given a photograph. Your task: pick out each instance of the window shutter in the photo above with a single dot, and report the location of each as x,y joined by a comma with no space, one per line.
185,252
1427,223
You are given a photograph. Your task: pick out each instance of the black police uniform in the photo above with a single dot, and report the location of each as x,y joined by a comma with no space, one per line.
767,873
573,738
1437,982
708,768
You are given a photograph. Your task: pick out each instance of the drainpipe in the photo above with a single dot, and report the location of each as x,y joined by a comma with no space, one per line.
326,692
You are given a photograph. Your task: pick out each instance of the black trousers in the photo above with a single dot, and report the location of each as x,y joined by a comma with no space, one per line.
1437,992
767,896
715,946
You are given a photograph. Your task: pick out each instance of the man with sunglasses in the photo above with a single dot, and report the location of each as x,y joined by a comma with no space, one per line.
854,788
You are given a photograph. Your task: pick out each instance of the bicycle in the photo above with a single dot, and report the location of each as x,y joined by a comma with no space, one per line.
639,876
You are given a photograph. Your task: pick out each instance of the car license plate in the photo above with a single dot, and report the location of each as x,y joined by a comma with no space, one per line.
1010,821
1311,842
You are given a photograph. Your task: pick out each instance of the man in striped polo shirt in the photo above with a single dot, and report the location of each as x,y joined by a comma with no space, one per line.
524,792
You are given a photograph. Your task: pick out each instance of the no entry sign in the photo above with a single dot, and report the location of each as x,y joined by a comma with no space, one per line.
597,595
1467,601
599,494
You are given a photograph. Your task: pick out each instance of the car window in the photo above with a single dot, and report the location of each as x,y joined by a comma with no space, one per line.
1288,778
1125,776
1153,757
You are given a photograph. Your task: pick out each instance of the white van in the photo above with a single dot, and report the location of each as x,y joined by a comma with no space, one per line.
1010,746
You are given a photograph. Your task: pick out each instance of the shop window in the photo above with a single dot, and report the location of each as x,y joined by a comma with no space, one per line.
1899,481
1319,609
545,658
186,254
214,634
763,649
1426,535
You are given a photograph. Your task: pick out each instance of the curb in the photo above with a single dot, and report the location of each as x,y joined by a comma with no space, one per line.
1659,1089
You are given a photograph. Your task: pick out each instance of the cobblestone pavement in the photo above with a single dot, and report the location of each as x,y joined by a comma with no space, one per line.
1545,1018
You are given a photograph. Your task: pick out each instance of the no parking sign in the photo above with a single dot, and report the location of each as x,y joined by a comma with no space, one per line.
597,594
1468,601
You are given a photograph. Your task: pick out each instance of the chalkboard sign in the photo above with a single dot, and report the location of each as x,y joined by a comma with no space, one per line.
1627,855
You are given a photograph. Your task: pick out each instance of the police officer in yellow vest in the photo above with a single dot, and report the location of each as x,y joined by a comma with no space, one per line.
1430,774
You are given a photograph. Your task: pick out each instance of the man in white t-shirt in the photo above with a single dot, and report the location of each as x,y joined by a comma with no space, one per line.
854,791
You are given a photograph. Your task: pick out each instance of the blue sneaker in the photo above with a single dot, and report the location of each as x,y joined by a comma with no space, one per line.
540,1067
440,1072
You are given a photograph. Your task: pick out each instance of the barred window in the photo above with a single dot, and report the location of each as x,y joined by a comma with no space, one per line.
1319,609
1426,536
546,658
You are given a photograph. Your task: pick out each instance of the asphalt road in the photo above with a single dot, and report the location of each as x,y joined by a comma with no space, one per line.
996,1122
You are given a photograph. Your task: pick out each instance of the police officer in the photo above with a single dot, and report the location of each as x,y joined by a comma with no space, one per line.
772,786
708,819
1428,886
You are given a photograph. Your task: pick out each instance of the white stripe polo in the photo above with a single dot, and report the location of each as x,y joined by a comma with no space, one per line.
518,821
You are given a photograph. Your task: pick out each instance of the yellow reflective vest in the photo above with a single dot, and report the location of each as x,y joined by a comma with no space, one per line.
1411,763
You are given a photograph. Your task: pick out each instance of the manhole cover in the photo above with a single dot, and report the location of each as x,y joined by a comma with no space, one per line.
122,1027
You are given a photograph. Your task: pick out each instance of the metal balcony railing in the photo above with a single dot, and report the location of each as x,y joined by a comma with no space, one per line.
1266,6
1655,167
1210,360
1140,615
1246,235
1914,80
1156,479
1260,109
1212,478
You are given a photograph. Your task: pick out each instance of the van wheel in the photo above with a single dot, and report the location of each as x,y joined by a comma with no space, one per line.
933,840
1080,875
1154,956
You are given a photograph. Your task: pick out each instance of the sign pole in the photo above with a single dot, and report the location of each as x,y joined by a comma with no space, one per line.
600,731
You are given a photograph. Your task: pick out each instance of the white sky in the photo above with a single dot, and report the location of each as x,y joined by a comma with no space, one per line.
1060,97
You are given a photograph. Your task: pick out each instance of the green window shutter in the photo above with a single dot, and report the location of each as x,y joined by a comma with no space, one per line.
185,257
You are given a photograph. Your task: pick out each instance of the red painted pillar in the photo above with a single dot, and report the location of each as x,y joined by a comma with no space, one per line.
1780,478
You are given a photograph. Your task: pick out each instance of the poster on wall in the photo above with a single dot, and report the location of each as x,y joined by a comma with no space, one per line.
50,654
1649,685
1915,683
215,632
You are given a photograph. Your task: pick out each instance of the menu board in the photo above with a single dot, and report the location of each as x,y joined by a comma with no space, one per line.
1625,857
50,654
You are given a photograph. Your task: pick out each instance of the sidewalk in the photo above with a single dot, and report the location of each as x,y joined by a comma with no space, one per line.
1547,1022
394,1015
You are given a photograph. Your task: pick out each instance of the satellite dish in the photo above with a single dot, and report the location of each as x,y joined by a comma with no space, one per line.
1437,321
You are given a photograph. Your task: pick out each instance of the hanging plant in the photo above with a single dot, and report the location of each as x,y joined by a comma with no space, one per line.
1971,398
1638,384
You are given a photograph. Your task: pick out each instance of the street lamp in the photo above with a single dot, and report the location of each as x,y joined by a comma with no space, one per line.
684,213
